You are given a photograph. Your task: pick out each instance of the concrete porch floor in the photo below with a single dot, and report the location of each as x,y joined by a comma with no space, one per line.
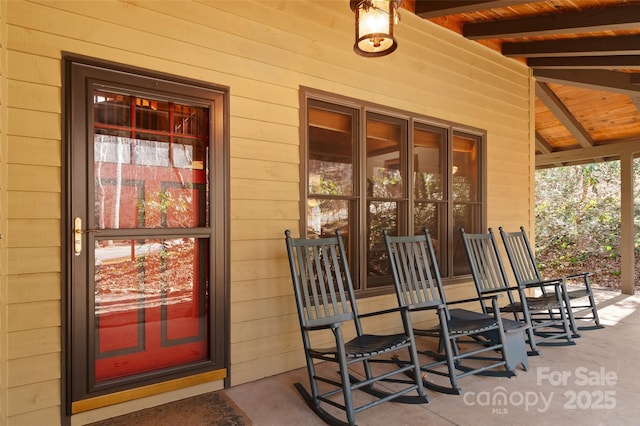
595,382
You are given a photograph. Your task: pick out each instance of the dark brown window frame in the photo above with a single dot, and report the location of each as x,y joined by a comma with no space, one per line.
342,103
175,88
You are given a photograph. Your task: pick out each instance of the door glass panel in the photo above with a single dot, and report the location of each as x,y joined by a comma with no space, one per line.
149,179
150,305
150,291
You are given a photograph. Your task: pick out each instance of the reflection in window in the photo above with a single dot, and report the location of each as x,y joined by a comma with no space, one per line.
399,174
156,178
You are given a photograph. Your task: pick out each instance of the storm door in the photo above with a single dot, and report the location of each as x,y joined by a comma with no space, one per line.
146,231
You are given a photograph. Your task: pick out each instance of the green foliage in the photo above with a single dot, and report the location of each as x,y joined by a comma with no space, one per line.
578,215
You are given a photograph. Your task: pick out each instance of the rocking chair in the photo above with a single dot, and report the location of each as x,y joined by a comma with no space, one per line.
545,314
526,271
326,302
412,260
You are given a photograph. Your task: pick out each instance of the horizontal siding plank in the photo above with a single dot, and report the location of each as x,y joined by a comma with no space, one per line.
34,151
25,233
265,211
48,416
33,260
244,270
23,66
33,287
254,350
33,96
260,289
263,309
36,124
33,369
247,229
34,205
268,151
253,189
252,330
258,250
30,316
34,178
38,341
34,397
265,170
246,128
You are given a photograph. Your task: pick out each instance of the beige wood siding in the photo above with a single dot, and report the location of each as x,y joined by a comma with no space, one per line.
263,51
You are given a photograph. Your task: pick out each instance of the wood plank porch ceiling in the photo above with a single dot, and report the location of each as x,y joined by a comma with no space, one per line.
585,56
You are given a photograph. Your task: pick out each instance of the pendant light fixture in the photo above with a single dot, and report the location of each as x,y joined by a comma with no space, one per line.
375,20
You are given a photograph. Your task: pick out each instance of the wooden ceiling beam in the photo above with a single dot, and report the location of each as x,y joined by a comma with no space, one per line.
583,155
555,105
435,8
609,81
586,62
542,144
586,46
625,17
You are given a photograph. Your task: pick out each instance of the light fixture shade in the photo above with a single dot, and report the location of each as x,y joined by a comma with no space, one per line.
375,20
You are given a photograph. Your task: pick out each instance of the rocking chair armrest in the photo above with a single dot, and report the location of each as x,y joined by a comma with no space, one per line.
554,281
327,326
424,306
579,275
500,290
327,323
474,299
383,312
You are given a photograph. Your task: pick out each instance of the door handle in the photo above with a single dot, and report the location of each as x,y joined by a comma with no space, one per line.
77,236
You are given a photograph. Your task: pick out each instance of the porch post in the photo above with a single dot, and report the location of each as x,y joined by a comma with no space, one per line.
627,229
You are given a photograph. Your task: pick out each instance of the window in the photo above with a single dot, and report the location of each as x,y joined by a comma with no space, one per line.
370,169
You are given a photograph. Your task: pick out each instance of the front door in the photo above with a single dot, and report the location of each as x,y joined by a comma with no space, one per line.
146,231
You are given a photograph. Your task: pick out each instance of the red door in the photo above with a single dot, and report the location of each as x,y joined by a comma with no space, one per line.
142,246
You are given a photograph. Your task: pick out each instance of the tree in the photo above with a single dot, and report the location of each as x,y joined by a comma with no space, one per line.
578,220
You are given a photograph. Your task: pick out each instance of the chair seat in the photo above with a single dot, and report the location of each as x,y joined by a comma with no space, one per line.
466,326
534,304
576,294
365,346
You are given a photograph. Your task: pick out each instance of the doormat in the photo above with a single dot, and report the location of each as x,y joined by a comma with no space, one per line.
209,409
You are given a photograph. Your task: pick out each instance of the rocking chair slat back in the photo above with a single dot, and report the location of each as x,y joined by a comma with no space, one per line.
486,265
521,257
411,263
320,286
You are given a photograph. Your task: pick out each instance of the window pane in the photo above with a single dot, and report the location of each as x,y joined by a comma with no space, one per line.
384,167
149,305
382,215
111,109
465,168
467,216
150,179
325,216
428,163
331,147
152,115
432,217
